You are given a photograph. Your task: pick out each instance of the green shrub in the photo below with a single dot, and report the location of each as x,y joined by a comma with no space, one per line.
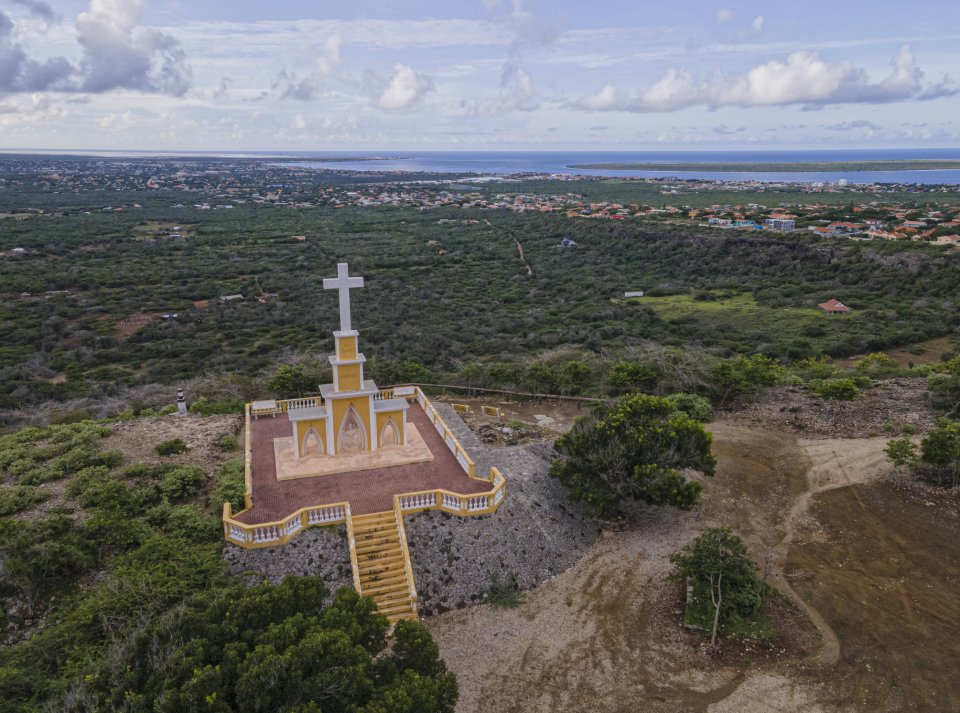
181,482
167,410
696,407
228,442
842,389
229,486
22,497
901,451
171,447
87,486
504,592
188,522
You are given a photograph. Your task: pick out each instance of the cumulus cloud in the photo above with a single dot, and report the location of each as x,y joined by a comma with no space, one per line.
757,23
19,73
308,88
724,15
803,79
116,54
405,88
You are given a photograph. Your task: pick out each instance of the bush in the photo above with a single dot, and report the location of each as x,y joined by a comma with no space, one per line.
504,592
901,451
22,497
841,389
229,486
188,522
181,482
228,442
696,407
171,447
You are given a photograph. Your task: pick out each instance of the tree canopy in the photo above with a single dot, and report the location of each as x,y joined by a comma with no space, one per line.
726,590
633,450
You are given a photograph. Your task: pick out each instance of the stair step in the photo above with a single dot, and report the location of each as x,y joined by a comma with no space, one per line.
392,599
380,538
367,548
396,607
368,563
378,583
377,517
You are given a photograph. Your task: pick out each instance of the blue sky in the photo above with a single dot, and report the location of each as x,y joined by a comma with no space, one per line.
477,74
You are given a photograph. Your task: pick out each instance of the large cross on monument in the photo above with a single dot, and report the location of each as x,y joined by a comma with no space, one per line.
343,283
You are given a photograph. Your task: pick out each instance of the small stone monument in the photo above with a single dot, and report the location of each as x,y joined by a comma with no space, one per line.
181,402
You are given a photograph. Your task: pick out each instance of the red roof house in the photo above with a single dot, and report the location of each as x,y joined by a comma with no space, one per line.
834,307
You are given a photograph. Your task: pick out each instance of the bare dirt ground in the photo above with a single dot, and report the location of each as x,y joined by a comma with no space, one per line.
138,438
875,570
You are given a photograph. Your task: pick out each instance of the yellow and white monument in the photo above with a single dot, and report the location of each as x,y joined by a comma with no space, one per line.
353,415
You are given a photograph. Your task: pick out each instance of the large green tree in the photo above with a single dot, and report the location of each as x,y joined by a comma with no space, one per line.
633,450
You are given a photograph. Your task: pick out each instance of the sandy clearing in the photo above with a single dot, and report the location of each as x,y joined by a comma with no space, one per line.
601,637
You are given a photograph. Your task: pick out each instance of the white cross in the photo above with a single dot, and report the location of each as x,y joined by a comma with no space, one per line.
343,283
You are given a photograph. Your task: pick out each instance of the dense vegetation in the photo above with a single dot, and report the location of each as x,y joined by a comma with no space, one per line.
633,450
446,295
116,598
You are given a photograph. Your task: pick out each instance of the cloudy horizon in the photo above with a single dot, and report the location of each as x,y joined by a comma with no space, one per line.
489,74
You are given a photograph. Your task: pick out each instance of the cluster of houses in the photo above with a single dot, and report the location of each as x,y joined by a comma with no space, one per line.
865,222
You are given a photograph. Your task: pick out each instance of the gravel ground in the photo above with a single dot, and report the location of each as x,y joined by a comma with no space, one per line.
879,411
319,552
535,535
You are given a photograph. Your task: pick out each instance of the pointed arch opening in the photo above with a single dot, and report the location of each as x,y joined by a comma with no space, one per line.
352,436
390,435
312,443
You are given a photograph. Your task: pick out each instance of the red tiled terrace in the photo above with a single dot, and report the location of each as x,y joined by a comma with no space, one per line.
367,491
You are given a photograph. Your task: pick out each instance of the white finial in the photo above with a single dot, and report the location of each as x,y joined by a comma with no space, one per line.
343,283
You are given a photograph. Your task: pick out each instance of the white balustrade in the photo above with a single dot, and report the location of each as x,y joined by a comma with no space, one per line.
265,534
237,534
418,501
293,526
293,404
321,516
451,501
461,459
498,497
478,502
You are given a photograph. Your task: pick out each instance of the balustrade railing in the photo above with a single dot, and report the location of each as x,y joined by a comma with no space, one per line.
455,503
279,532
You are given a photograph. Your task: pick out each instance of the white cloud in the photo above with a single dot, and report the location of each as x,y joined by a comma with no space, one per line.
307,88
724,15
405,88
757,23
803,79
116,54
300,121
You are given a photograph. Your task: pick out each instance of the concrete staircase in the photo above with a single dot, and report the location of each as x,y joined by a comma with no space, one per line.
382,559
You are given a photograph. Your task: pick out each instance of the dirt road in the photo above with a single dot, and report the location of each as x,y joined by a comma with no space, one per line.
604,635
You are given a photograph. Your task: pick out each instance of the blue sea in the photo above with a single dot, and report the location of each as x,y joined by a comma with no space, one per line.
560,162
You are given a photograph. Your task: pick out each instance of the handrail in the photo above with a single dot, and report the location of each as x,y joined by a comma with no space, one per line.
455,503
407,567
247,463
354,564
465,461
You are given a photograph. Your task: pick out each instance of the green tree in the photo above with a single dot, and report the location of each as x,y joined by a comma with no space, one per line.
727,593
632,450
746,376
940,453
541,379
292,380
901,451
